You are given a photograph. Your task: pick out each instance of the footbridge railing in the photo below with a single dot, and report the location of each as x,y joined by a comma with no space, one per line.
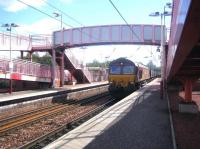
108,34
24,43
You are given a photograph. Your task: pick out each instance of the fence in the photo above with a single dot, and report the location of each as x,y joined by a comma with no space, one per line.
27,68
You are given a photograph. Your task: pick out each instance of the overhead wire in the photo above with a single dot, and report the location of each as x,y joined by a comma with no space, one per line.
72,18
124,20
43,12
111,53
56,19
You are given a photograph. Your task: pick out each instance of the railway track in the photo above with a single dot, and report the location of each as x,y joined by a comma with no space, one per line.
30,117
9,125
53,135
18,121
15,117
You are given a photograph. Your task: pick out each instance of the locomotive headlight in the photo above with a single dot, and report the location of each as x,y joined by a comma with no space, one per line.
112,82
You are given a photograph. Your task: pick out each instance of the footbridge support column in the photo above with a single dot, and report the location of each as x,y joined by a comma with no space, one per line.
187,105
188,90
62,74
30,56
188,84
53,70
22,54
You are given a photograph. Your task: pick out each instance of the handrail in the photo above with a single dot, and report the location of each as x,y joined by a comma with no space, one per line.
21,42
78,64
41,40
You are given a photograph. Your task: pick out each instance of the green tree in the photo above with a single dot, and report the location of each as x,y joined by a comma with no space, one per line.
150,65
96,63
45,59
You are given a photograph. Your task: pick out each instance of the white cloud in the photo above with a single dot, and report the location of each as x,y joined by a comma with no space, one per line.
14,5
44,26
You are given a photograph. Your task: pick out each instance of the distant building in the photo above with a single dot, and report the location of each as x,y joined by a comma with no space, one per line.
98,74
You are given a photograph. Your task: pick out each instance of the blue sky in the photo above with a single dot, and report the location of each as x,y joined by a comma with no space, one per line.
87,12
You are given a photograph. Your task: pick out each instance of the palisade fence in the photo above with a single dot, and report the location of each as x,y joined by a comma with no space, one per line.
28,68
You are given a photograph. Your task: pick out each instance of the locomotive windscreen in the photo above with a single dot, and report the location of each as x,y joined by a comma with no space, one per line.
128,69
122,66
115,69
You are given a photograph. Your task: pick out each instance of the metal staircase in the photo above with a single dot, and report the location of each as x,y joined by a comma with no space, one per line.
78,70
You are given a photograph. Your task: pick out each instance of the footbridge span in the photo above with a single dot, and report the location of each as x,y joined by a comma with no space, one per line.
108,34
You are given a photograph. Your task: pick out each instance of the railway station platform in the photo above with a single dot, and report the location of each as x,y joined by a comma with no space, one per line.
139,121
42,92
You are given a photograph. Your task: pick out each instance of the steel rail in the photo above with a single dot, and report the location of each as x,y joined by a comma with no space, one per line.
49,137
13,118
32,117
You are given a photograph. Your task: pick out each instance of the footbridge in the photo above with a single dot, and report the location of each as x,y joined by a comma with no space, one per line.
78,37
101,35
108,34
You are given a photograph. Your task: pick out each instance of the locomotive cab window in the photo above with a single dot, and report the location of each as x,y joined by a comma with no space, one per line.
115,70
128,70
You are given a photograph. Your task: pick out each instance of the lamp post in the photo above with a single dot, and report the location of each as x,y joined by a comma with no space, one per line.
167,13
59,15
157,14
163,31
162,40
62,53
162,15
9,28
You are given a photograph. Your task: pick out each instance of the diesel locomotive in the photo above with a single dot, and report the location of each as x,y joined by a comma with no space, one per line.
125,77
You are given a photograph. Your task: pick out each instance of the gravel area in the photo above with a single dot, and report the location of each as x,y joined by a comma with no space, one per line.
16,110
24,135
186,126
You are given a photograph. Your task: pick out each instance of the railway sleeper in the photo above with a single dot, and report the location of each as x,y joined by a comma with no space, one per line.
63,129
